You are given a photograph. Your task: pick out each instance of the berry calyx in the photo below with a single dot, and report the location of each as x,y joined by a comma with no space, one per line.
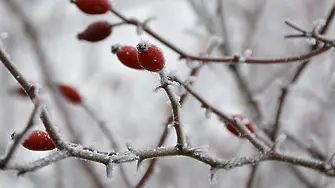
127,55
38,141
240,120
96,31
93,6
150,56
70,93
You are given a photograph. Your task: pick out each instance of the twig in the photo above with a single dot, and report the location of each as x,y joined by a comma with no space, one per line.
175,110
108,134
35,165
29,89
234,59
194,72
18,138
257,143
298,73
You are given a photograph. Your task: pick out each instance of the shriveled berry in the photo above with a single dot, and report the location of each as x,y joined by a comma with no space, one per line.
127,56
70,93
93,6
96,31
150,56
241,120
39,141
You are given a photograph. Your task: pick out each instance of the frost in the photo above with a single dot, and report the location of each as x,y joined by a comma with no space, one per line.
109,169
248,53
213,176
242,59
173,73
193,64
208,112
281,138
311,41
181,91
320,22
191,79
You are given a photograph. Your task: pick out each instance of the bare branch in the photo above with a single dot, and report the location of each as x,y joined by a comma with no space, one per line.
257,143
234,59
18,138
175,110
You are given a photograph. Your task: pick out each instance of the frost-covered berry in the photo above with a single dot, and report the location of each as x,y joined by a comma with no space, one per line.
70,93
150,56
96,31
241,120
127,56
38,141
93,6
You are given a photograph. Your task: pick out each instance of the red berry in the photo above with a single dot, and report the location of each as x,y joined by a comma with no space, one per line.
127,56
96,31
38,141
150,57
70,93
93,6
241,120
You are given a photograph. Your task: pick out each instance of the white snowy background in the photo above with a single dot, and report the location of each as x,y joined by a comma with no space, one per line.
124,98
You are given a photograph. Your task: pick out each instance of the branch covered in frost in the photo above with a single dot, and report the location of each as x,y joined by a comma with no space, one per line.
231,59
317,33
194,72
245,132
174,99
284,93
38,164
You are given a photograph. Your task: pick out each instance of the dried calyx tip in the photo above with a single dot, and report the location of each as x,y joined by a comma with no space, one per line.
72,1
115,48
142,46
80,36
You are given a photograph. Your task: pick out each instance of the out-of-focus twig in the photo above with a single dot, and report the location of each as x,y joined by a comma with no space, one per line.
298,73
18,137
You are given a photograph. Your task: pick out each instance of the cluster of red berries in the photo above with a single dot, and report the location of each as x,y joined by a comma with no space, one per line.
98,30
240,120
145,56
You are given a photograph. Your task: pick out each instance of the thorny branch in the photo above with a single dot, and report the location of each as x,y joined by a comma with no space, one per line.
175,110
194,72
77,151
233,59
66,149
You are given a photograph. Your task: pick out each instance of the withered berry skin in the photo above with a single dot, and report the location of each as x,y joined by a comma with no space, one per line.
93,6
96,32
127,55
150,57
38,141
239,118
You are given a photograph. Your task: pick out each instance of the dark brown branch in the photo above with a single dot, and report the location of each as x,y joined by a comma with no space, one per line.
234,59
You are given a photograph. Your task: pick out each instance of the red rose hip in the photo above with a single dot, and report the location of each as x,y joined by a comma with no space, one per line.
93,6
70,93
150,56
96,31
127,55
38,141
241,120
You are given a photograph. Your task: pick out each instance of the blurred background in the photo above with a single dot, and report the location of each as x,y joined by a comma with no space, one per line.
133,112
